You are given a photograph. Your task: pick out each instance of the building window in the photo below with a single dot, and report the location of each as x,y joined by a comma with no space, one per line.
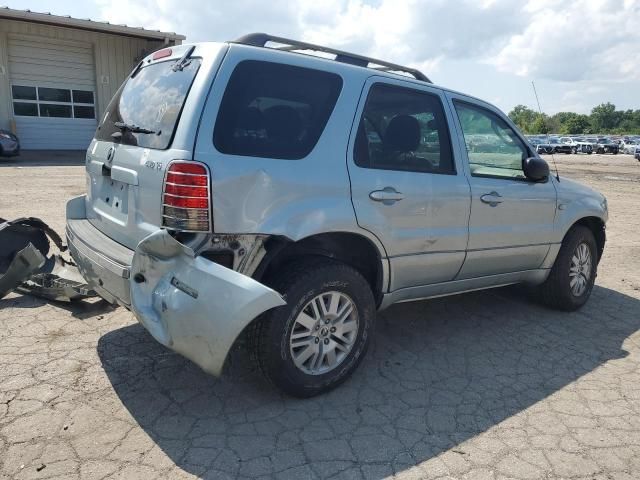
25,109
82,96
55,110
31,101
54,95
81,111
24,93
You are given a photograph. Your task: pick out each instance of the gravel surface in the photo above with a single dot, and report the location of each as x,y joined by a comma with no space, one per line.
486,385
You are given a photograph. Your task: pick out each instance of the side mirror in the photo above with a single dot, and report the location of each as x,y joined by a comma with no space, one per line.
535,169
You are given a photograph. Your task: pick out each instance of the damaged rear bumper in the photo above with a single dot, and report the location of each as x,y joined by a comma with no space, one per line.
188,303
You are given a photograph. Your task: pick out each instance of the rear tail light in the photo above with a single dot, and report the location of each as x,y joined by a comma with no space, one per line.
186,197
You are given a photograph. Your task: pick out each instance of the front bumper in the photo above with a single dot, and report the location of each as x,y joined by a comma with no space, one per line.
188,303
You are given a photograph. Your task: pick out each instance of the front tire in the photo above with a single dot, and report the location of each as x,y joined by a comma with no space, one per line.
573,274
315,342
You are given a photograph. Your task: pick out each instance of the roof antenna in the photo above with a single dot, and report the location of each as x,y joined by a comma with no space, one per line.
555,166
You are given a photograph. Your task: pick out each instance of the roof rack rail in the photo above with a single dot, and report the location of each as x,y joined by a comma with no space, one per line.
261,39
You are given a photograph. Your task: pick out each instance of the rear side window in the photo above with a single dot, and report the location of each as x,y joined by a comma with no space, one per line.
403,129
151,99
274,110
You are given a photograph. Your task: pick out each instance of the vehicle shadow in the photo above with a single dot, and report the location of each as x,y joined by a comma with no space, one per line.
45,158
439,373
80,309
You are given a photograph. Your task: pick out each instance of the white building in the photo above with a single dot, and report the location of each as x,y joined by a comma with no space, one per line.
57,74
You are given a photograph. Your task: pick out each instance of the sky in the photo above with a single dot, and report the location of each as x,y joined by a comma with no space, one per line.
579,53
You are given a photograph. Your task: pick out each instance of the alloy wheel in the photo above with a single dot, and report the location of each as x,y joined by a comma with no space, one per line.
580,269
324,333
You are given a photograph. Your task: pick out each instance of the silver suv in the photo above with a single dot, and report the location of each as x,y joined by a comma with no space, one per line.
235,189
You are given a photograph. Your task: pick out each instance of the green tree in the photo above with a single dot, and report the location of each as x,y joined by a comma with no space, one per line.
576,124
563,117
523,117
539,125
604,117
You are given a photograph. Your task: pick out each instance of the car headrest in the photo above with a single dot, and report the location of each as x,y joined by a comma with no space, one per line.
283,123
402,134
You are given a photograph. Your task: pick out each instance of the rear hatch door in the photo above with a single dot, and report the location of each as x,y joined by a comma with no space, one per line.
151,121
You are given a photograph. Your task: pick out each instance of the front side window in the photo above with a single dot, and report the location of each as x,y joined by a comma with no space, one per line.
493,148
403,129
274,110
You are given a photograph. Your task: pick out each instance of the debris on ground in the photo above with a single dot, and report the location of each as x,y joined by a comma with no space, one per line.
26,268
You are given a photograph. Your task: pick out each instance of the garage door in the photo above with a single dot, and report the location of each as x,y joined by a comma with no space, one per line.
53,92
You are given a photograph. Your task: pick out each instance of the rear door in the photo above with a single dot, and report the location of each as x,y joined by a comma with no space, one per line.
512,218
126,165
404,182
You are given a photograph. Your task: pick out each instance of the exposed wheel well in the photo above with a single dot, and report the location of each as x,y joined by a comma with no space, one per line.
596,225
350,248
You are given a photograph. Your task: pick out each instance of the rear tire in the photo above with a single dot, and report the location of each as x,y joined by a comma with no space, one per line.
329,319
573,274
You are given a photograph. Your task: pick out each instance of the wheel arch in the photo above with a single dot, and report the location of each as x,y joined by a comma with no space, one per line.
351,248
597,227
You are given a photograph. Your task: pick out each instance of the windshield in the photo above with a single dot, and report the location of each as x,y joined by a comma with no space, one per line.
151,100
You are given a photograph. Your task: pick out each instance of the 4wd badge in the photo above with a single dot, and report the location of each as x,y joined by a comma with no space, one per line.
153,165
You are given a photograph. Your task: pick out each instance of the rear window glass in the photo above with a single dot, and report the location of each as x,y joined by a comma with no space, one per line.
152,99
274,110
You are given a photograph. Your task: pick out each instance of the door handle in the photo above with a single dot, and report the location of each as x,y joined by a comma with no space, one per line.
493,198
388,196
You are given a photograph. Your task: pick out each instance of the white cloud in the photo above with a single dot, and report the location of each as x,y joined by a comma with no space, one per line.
577,40
417,32
568,43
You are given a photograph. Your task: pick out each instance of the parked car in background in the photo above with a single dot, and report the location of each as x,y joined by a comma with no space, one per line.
263,194
606,145
9,144
577,145
543,147
540,146
628,146
637,154
558,146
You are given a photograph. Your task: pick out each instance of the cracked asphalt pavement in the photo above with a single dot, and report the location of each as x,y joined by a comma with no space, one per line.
487,385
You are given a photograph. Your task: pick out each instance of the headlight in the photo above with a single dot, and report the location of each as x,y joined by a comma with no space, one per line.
4,135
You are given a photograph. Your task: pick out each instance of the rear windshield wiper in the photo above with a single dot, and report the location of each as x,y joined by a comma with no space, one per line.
184,60
132,128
